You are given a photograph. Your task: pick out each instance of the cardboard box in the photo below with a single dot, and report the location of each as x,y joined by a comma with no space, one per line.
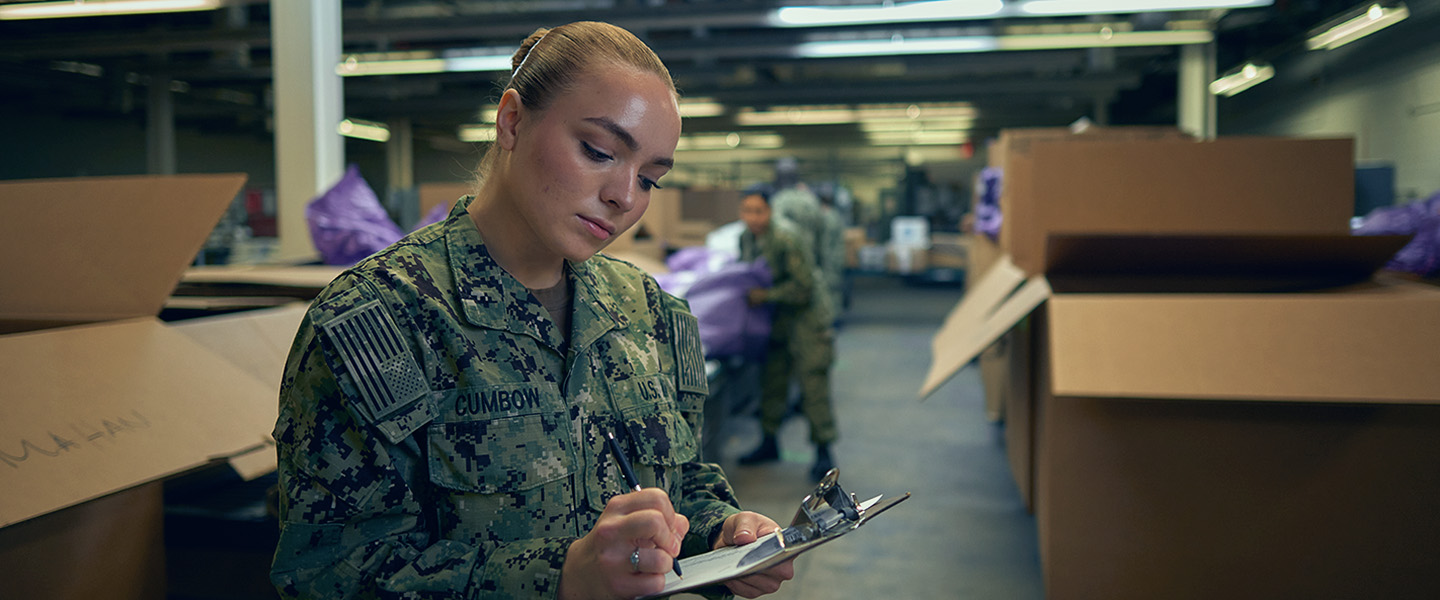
854,239
1242,416
905,259
122,400
1090,185
948,251
714,206
432,194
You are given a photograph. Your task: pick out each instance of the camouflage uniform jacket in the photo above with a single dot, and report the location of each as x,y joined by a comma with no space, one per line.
434,443
801,304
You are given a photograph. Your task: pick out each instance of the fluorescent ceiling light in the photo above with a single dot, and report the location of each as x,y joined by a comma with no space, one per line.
889,125
96,8
963,10
700,107
477,133
1352,27
1104,38
409,63
1241,79
909,12
895,46
917,138
759,140
365,130
829,114
1051,8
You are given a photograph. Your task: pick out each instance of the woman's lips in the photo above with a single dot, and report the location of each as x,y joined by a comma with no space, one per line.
599,229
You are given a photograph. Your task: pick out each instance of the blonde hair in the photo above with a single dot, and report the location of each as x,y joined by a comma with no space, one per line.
550,60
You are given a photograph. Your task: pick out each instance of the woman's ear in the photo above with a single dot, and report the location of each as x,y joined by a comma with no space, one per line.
507,119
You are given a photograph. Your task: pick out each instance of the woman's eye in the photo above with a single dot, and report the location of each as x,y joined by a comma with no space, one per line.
594,154
648,184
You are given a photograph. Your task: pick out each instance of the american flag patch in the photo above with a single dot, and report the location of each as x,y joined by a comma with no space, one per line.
689,359
385,372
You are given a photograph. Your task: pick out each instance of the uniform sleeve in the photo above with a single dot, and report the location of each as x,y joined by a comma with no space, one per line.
352,522
706,497
793,273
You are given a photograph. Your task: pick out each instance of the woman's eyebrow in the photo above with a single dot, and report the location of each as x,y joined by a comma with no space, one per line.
617,130
625,138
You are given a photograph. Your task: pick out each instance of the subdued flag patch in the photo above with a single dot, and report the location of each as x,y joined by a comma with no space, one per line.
689,358
384,371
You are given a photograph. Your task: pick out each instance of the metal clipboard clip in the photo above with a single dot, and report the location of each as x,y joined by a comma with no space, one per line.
827,512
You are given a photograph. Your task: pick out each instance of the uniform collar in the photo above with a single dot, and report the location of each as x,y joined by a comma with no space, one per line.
494,299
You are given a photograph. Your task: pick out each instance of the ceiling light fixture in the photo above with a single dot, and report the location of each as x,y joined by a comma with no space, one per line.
917,138
1356,24
963,10
364,130
909,12
97,8
759,140
476,133
423,61
700,107
1105,38
1053,8
831,114
1242,78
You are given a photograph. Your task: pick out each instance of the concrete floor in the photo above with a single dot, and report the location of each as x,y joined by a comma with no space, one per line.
964,532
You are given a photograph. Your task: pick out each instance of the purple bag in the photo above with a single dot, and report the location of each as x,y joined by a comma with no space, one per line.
437,214
987,203
717,287
729,326
1422,219
347,222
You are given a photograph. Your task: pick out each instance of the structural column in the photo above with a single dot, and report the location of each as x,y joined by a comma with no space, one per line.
309,105
400,171
159,126
1196,103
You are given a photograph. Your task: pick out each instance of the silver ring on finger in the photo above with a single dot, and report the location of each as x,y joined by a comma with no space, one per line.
635,560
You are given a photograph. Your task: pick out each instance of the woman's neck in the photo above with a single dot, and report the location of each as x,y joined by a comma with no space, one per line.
511,241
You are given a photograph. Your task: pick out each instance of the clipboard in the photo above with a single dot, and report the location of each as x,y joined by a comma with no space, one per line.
824,516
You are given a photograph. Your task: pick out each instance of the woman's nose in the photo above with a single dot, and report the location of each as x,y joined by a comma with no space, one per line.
619,190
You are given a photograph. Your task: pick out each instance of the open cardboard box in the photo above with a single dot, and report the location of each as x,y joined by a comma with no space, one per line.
1208,393
1205,426
100,397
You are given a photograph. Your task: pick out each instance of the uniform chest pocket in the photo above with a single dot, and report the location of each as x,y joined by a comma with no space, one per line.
504,454
655,423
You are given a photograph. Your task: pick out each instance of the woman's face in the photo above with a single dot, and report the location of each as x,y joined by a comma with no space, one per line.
583,168
755,212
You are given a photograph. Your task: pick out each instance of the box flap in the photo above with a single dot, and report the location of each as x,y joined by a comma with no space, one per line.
1224,263
256,341
102,248
1222,186
259,343
94,409
1375,344
308,277
999,300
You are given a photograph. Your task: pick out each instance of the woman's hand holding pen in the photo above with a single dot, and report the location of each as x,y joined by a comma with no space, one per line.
745,527
642,524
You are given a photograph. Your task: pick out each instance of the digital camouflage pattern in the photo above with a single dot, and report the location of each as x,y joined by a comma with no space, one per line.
802,343
434,443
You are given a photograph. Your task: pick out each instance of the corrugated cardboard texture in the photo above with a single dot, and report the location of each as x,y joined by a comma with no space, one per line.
1224,186
96,249
1377,346
107,549
1201,500
94,409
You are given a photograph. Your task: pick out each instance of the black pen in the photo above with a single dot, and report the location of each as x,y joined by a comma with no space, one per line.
632,481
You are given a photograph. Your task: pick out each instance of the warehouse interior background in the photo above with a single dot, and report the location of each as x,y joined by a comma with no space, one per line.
81,93
897,103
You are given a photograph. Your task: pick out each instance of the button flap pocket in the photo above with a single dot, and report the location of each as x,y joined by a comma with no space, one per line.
507,454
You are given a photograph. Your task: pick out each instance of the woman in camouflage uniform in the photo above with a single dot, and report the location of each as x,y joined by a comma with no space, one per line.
444,408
